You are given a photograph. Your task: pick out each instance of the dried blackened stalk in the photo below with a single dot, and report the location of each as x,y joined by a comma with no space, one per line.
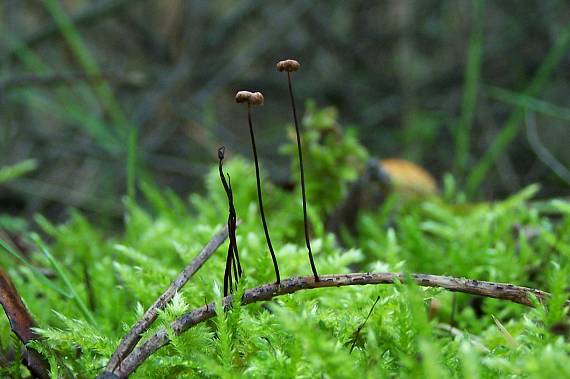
21,323
257,99
290,66
232,261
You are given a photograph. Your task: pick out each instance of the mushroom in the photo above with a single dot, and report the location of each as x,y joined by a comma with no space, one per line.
256,98
290,66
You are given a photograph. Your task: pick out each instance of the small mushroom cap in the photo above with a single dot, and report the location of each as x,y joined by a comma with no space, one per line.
257,98
221,152
243,96
289,65
252,98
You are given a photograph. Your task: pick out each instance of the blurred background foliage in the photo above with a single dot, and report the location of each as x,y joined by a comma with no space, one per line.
475,88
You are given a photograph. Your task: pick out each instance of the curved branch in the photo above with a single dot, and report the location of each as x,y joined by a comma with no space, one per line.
130,340
22,324
503,291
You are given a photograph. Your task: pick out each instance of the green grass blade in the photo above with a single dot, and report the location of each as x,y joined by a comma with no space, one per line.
102,89
527,102
471,87
39,275
511,128
87,63
60,271
132,163
72,112
67,106
16,170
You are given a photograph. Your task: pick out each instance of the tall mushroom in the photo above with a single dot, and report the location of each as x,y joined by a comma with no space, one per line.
252,99
290,66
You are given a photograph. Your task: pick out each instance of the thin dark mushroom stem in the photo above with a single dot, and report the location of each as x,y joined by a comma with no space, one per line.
260,197
305,218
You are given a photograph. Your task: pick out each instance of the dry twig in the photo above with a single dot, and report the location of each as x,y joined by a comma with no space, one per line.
503,291
21,323
134,335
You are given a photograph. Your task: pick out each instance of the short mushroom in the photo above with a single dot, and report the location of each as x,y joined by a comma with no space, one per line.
256,98
289,65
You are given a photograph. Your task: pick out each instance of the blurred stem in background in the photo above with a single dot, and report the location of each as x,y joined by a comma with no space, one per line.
69,106
470,90
132,163
72,108
102,89
527,102
511,128
56,108
542,152
88,64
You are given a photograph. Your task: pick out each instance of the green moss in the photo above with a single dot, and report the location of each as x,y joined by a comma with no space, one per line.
117,274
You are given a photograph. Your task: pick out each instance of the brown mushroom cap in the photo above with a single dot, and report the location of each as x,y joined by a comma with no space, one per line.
252,98
257,98
243,96
289,65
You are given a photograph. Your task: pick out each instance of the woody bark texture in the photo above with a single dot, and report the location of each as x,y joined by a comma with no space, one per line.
21,323
503,291
134,335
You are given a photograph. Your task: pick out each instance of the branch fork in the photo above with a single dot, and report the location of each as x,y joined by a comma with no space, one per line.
503,291
134,335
